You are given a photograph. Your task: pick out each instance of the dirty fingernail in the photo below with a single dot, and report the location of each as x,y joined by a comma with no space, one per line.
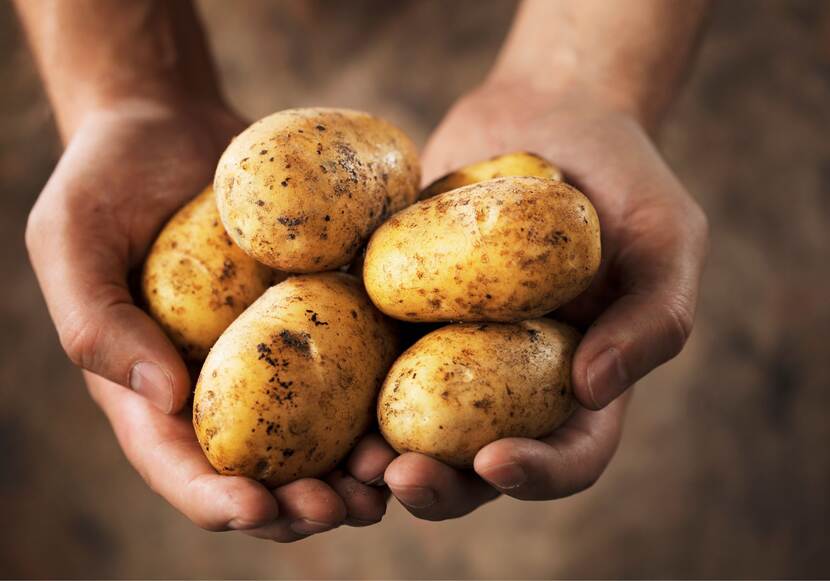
606,377
376,481
505,476
304,526
149,380
415,496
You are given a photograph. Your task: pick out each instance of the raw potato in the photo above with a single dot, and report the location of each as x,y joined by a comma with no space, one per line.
501,250
520,163
291,385
196,281
466,385
302,189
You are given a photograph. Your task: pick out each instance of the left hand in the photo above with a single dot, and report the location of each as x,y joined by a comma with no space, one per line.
638,311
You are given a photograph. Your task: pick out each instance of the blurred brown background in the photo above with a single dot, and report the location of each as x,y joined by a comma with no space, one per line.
724,469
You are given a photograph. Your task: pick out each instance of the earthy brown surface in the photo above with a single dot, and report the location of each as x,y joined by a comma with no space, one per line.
269,169
723,470
290,386
501,250
466,385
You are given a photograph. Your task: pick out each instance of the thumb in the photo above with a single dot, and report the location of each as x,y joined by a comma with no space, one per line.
635,335
652,320
83,278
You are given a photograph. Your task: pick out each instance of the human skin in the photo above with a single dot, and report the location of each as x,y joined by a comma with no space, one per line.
583,83
144,123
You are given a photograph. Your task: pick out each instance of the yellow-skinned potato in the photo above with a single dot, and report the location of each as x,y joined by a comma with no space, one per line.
465,385
290,386
196,281
501,250
520,163
301,190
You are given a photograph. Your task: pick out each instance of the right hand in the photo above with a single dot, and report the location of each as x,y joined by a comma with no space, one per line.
125,171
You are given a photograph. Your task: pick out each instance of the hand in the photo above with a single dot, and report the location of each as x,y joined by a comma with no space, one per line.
640,307
164,450
124,172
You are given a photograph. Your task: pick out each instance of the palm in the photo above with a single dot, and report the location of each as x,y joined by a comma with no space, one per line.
143,169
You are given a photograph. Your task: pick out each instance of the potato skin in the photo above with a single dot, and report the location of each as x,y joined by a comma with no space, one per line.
519,163
500,250
291,385
467,384
301,190
196,281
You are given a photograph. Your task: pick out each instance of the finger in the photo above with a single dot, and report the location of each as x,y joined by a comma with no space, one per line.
164,450
652,320
432,490
567,462
365,505
307,507
83,277
369,459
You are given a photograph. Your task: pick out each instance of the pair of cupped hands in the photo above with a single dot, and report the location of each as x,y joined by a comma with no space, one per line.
130,165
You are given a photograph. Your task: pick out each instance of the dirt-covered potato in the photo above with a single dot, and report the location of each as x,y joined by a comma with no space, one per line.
500,250
301,190
196,281
468,384
290,386
520,163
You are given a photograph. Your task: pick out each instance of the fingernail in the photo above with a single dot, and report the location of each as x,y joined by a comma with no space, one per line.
149,380
415,496
505,476
376,481
238,524
606,377
304,526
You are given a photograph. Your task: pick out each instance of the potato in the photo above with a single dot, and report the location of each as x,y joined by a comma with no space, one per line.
500,250
520,163
302,190
467,384
196,281
291,385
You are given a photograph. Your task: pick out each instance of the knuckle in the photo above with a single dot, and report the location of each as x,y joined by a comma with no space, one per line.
696,217
678,322
82,331
34,229
701,220
80,339
704,230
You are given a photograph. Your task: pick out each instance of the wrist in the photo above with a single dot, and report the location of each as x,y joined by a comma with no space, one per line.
528,99
170,105
577,89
